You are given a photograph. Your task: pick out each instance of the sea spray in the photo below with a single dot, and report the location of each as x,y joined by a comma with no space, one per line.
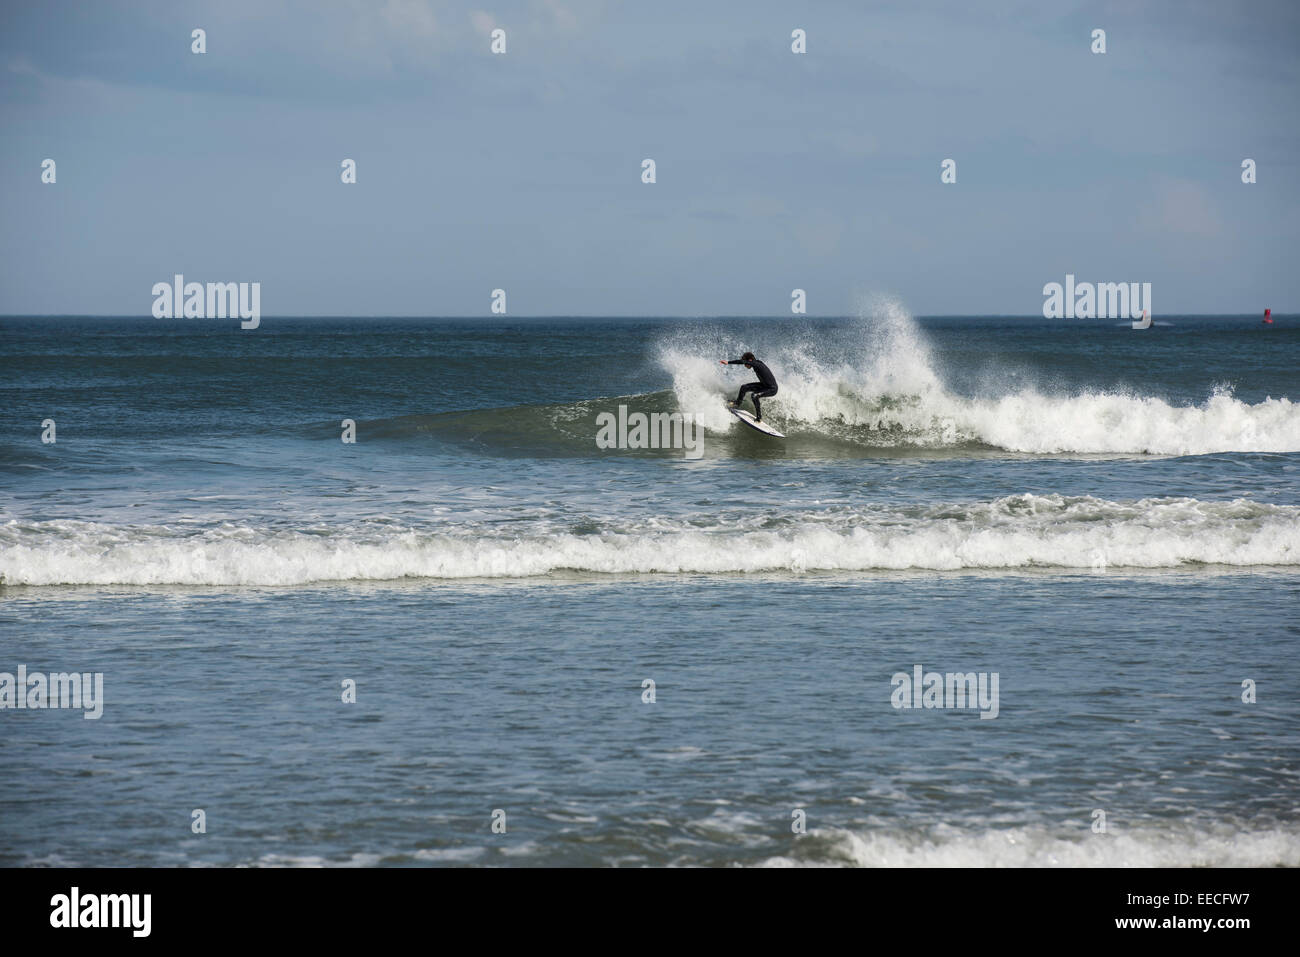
875,384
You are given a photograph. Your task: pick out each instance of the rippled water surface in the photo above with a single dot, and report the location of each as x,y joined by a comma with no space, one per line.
1108,521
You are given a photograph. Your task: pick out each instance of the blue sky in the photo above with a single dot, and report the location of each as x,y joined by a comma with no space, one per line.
775,171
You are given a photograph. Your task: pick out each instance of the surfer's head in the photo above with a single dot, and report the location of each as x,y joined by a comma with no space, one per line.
748,357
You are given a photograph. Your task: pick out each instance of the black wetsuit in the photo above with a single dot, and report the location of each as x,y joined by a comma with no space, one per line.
762,389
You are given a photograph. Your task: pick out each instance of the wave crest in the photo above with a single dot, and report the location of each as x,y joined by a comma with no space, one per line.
882,389
1021,531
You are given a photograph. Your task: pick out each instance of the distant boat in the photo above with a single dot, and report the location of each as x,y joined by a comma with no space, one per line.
1144,322
1268,317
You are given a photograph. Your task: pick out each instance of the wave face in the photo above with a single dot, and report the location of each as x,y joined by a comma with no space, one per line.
1022,531
881,387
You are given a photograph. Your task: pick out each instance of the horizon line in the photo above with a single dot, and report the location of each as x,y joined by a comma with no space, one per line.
559,315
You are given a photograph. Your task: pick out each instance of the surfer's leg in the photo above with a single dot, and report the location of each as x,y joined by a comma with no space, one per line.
760,393
744,390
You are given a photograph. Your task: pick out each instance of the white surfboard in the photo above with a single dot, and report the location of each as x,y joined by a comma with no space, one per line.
753,423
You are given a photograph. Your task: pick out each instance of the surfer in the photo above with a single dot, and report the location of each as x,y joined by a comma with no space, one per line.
764,388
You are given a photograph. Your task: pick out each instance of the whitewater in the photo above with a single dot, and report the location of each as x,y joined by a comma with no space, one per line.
1024,531
879,385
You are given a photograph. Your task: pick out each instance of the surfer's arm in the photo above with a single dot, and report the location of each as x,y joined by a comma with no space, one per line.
732,362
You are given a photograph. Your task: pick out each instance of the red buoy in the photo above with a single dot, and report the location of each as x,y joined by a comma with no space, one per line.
1268,317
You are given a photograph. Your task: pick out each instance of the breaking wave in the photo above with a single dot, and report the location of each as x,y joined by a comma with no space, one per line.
1021,531
1147,846
883,390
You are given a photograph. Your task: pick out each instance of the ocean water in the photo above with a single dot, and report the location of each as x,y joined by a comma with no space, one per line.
1107,521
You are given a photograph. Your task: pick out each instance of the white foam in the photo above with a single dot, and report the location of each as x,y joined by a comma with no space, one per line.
1146,846
359,859
453,854
1021,531
890,382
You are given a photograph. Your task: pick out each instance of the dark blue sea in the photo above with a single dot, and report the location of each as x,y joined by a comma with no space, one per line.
569,651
